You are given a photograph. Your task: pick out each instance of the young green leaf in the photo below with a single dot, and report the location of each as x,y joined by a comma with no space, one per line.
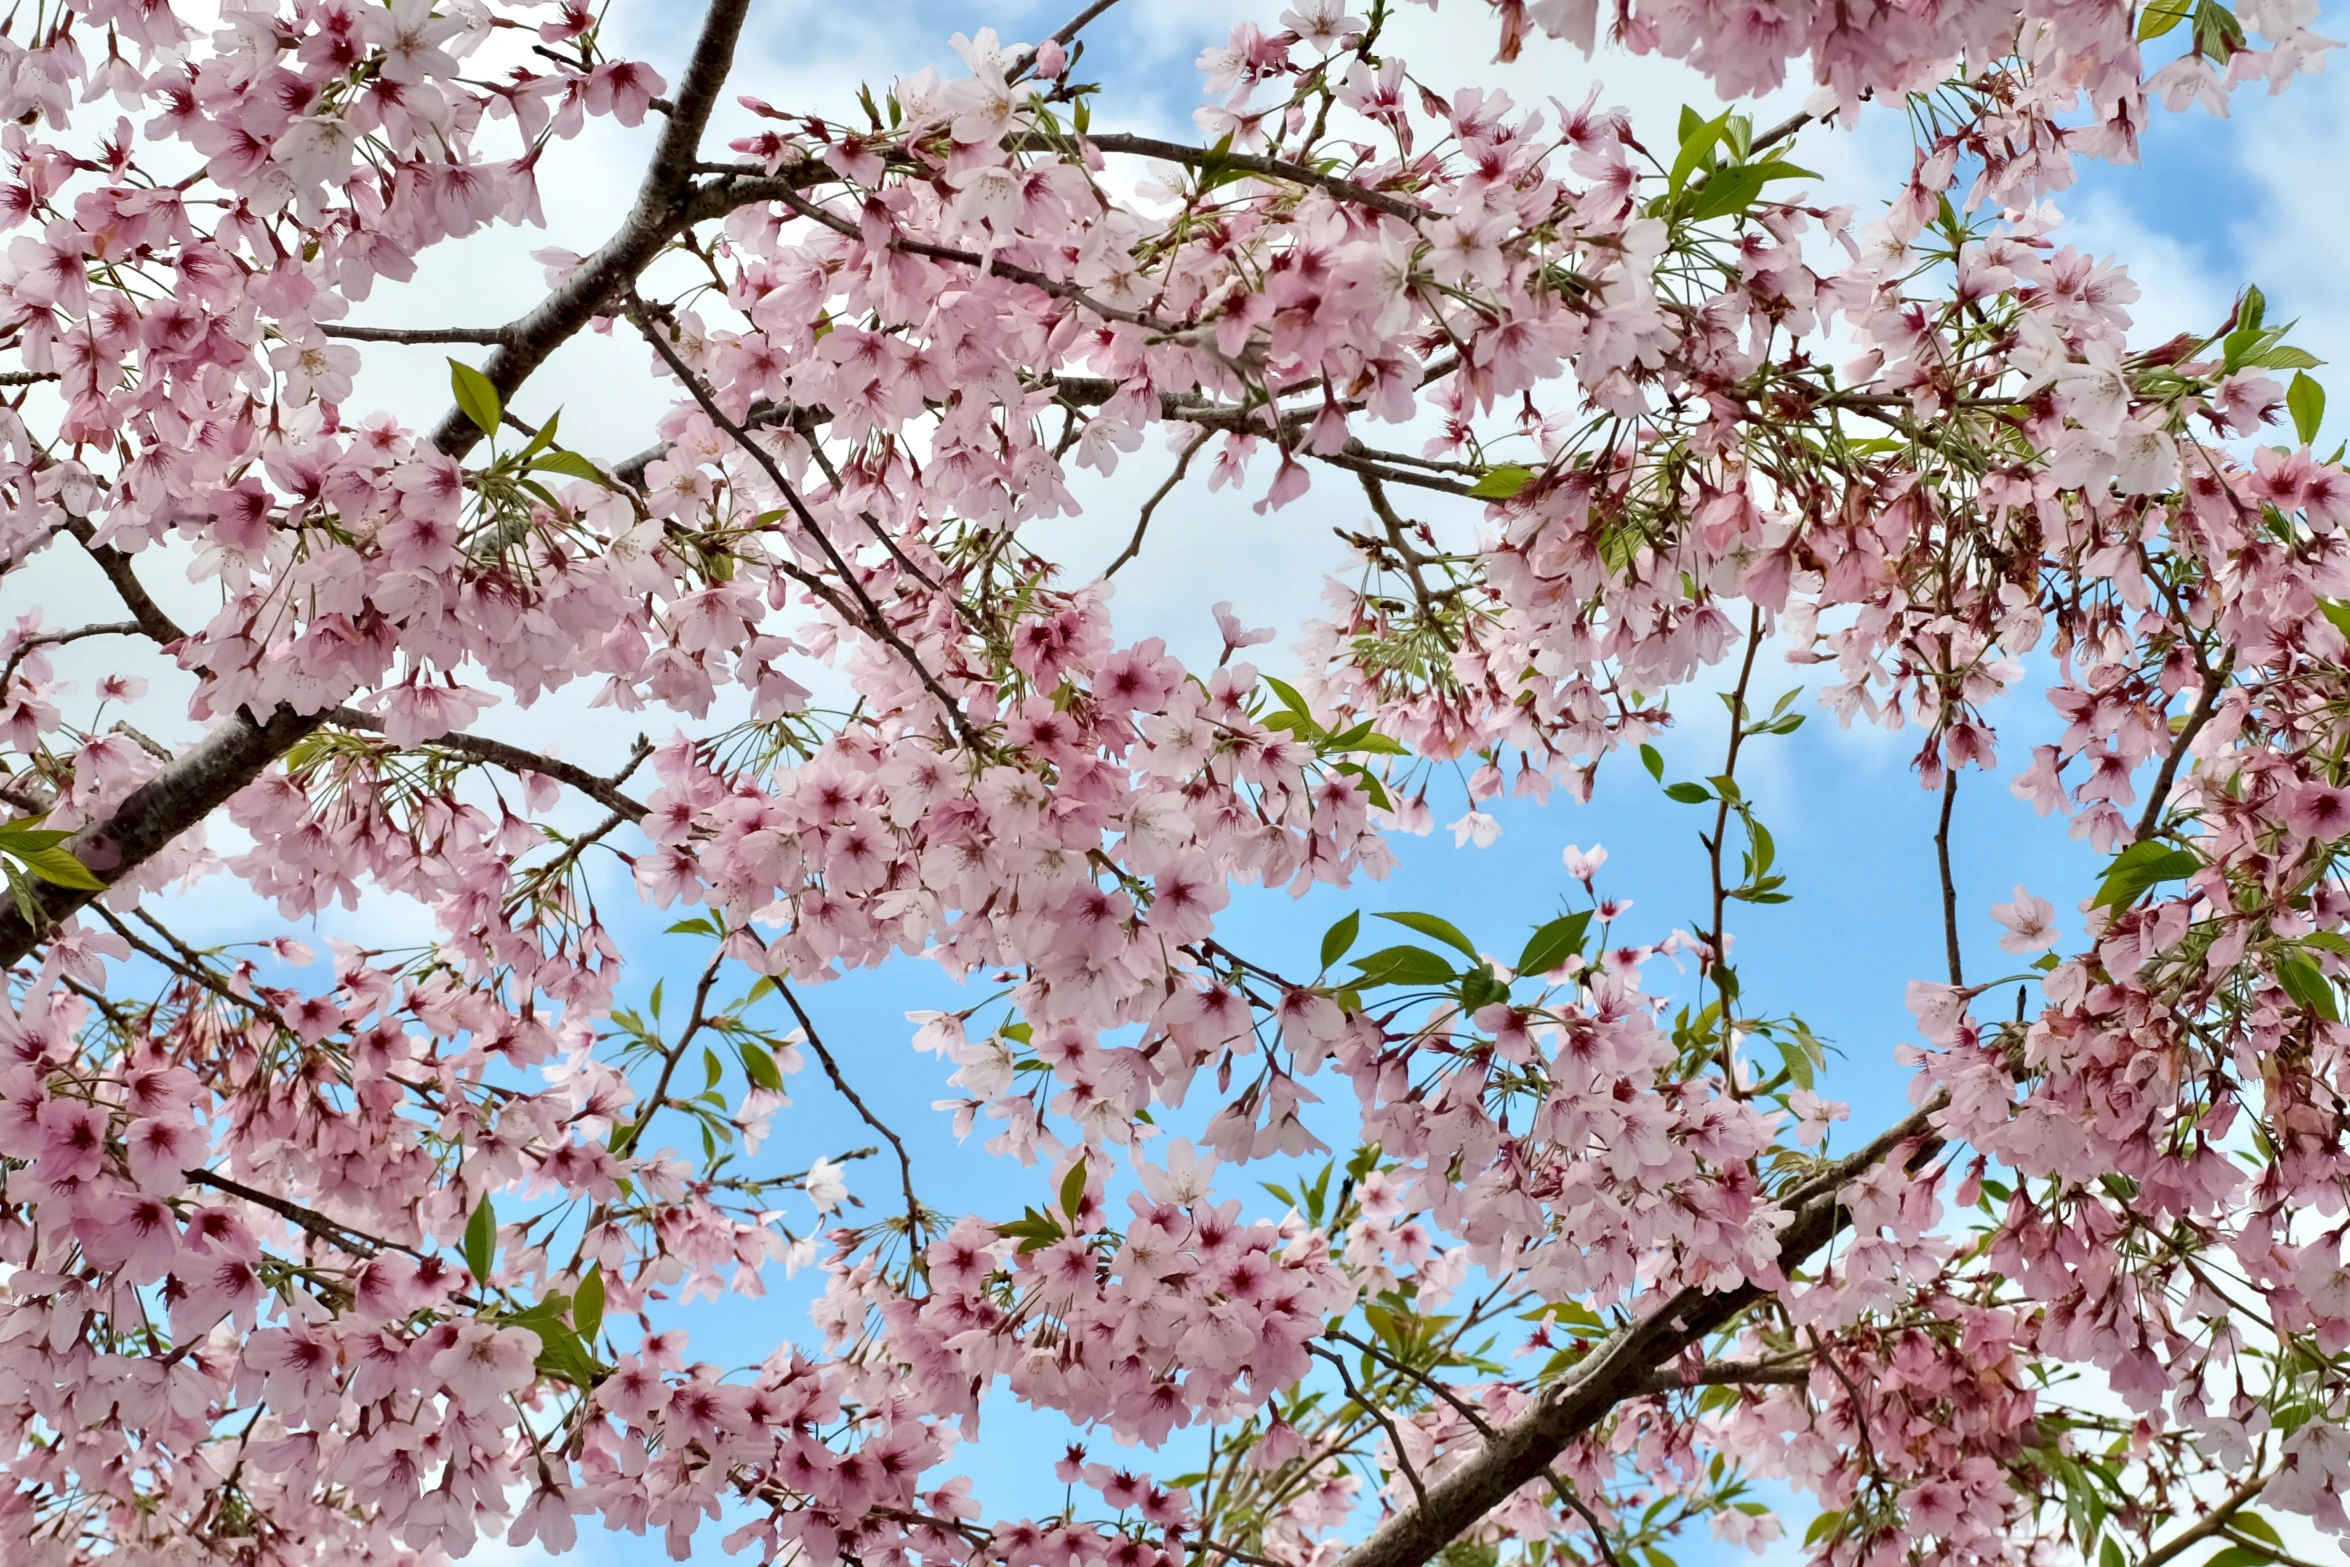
1403,966
56,865
1442,930
1697,140
587,1307
564,1357
1073,1190
477,399
572,466
2306,400
1339,939
1502,483
2141,866
2306,983
1797,1060
759,1066
1554,943
2160,16
481,1240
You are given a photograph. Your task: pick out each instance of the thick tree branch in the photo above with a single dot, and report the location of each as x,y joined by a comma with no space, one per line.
157,812
236,752
2210,1524
1621,1368
660,206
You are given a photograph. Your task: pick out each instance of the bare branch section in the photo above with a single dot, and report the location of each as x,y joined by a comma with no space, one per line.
1623,1367
418,334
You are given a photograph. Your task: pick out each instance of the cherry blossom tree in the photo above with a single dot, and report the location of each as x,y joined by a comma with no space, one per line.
368,1261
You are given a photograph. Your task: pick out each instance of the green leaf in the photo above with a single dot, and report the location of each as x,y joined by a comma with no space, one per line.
1502,483
1688,793
1654,761
2337,612
2141,866
56,864
2306,983
1442,930
2257,1527
476,397
587,1307
2284,356
541,441
563,1356
697,926
572,466
1339,939
481,1240
1403,966
1697,139
2306,400
1032,1230
1289,697
1727,191
1481,987
2160,16
1073,1190
1215,164
1554,943
759,1065
1797,1059
1376,744
2111,1554
2239,1556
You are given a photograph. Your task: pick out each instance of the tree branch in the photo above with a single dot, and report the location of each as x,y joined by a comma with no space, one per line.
871,617
1248,163
157,812
661,202
511,757
127,587
1142,523
236,752
1620,1368
914,1222
418,334
2211,1523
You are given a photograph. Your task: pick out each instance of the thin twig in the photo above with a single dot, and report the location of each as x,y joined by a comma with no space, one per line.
511,757
914,1220
1143,522
874,620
